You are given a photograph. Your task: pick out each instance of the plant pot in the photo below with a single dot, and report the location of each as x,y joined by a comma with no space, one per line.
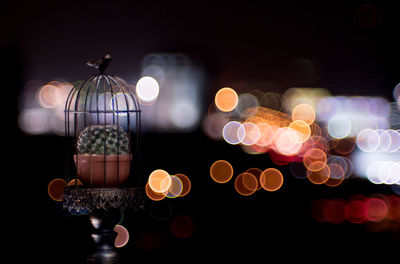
103,170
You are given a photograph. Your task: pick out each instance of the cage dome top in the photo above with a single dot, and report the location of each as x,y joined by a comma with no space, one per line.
102,93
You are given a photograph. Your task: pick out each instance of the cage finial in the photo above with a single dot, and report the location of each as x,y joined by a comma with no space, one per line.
100,64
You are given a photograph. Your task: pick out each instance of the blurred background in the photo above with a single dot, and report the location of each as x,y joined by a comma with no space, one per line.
340,57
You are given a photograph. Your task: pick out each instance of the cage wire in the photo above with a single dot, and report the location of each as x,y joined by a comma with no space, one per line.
102,131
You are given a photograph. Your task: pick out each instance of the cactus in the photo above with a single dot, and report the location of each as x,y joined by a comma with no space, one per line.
103,140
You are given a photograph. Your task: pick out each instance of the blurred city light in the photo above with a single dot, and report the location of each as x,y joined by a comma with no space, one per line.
359,209
246,184
147,90
169,91
55,189
317,135
226,99
271,179
233,132
186,184
175,189
42,107
339,126
160,181
304,112
155,196
221,171
161,185
178,104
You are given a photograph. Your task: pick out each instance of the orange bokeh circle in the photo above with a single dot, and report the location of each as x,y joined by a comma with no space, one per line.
226,99
221,171
271,179
311,157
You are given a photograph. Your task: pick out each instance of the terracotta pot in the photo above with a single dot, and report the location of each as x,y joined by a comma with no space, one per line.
91,169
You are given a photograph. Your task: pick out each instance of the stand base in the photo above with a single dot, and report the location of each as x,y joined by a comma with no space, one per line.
103,222
106,257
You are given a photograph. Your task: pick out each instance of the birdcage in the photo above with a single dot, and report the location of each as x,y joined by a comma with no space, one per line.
102,131
102,163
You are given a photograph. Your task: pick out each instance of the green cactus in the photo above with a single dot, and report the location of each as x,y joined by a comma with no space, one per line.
100,140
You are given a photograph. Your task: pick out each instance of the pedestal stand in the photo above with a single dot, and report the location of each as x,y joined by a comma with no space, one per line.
103,206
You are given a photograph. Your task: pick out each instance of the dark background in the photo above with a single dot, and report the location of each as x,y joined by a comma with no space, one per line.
356,53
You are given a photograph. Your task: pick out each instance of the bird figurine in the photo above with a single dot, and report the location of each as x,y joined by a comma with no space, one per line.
100,64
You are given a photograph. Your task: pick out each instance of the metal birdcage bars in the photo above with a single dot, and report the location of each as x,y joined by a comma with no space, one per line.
100,104
103,140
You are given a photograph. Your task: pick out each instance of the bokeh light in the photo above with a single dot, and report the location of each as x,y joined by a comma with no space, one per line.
287,141
359,209
122,237
34,121
271,100
356,210
120,103
334,211
319,176
396,93
304,95
339,163
339,126
394,207
246,184
213,125
246,101
394,139
304,112
373,172
368,140
226,99
316,142
175,189
186,184
184,114
257,173
233,132
50,95
378,168
75,182
314,159
345,146
376,209
160,181
177,108
271,179
147,89
155,196
336,176
251,134
221,171
321,132
41,107
55,189
302,130
267,134
385,140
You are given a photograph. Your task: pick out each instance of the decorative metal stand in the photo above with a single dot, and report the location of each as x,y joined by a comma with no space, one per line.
103,132
103,206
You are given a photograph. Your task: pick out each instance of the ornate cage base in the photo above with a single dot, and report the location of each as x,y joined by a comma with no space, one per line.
89,199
